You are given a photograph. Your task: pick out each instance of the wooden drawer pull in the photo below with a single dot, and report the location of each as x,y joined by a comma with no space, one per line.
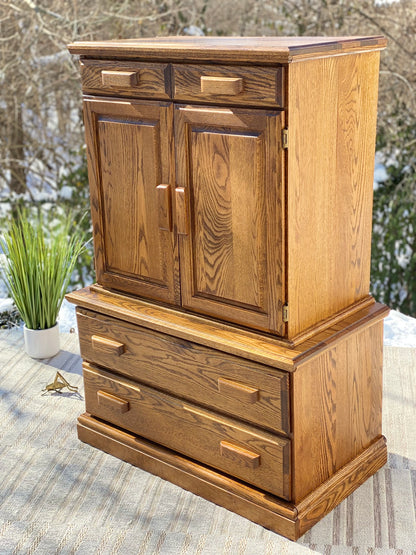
164,206
108,346
181,211
239,455
239,391
119,78
109,401
221,85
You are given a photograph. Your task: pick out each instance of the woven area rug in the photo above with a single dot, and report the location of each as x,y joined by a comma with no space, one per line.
58,495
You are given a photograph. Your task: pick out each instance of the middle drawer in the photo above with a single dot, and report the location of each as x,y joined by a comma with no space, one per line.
229,384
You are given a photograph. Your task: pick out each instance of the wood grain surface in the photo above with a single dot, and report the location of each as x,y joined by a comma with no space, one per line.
192,431
150,80
230,165
255,393
129,155
263,50
256,86
330,183
253,346
336,400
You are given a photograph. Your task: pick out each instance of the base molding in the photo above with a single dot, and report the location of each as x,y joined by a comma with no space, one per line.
287,519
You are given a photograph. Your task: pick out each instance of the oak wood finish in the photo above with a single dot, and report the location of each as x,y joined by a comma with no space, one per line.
192,431
255,86
337,399
330,164
128,149
271,512
304,225
237,190
239,455
132,79
230,166
112,403
221,85
226,383
119,78
241,342
107,346
239,391
257,50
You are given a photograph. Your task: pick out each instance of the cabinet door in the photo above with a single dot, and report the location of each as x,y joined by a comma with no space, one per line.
129,162
230,206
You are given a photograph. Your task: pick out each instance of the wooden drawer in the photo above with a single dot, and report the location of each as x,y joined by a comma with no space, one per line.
226,383
134,79
257,86
254,456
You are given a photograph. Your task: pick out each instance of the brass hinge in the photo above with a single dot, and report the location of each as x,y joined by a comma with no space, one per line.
285,313
285,137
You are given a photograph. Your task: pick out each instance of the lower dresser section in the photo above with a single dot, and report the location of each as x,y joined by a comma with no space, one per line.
276,434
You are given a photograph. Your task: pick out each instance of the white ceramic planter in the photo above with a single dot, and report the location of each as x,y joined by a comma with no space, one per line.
42,343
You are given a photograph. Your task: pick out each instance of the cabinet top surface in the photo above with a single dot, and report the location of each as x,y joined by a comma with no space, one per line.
228,49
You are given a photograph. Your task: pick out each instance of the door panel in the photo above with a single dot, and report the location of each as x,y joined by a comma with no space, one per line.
129,154
229,164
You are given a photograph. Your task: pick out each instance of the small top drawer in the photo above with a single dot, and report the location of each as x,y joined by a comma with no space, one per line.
256,86
134,79
241,388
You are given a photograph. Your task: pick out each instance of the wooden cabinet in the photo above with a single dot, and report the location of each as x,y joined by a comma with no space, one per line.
230,344
251,203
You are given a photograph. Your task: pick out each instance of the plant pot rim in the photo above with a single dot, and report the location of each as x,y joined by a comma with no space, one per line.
40,329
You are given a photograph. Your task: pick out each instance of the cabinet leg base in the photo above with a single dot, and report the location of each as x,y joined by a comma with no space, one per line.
287,519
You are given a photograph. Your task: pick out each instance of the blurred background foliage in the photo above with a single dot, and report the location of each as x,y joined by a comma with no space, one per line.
42,157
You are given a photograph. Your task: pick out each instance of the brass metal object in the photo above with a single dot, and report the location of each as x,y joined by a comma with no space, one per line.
285,313
58,384
285,138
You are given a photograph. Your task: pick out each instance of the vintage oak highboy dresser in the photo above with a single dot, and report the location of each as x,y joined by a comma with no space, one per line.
230,344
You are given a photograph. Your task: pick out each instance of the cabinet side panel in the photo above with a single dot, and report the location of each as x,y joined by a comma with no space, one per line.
337,399
332,126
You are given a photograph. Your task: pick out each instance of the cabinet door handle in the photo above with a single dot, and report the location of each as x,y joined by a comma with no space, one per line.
164,207
221,85
239,455
239,391
119,78
182,220
107,346
110,401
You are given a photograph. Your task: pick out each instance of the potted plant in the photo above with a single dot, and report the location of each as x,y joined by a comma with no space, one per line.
37,269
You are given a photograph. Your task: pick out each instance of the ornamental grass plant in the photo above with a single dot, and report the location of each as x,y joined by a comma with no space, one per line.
37,266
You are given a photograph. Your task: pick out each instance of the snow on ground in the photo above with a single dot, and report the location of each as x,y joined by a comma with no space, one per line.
399,330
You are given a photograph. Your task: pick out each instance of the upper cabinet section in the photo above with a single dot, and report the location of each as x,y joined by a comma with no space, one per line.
232,176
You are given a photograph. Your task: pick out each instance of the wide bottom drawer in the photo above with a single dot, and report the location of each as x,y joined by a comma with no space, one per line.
252,455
